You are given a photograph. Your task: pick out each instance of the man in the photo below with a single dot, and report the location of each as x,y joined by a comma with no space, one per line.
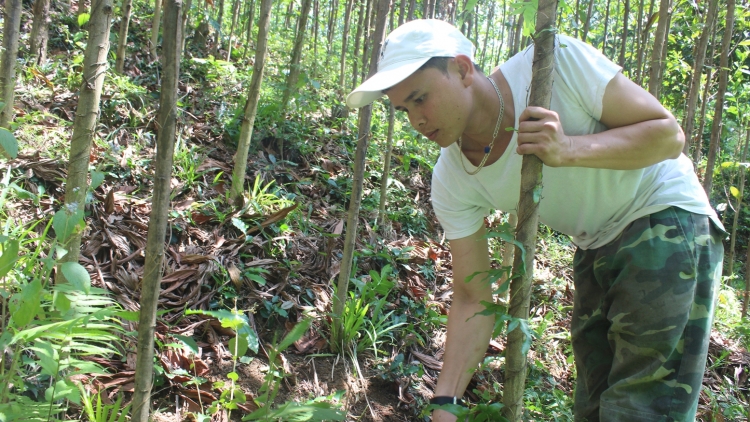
649,245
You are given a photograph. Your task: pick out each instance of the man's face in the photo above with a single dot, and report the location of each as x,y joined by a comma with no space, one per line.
435,103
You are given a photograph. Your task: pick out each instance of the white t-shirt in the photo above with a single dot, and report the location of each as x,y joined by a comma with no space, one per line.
591,205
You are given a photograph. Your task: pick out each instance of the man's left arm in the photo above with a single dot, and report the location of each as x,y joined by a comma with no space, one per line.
640,132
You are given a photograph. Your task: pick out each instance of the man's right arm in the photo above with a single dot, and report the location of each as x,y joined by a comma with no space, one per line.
468,335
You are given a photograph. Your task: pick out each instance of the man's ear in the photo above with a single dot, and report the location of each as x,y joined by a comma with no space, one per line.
465,68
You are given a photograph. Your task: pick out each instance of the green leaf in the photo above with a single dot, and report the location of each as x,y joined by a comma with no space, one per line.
9,256
63,389
25,305
77,276
48,357
734,191
8,143
188,343
295,334
745,42
97,177
83,18
238,346
235,321
236,222
66,222
233,376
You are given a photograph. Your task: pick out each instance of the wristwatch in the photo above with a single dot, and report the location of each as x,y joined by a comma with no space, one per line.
441,400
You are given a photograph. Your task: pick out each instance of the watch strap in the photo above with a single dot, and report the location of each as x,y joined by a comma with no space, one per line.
441,400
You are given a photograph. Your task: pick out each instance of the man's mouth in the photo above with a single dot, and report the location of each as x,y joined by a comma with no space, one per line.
432,135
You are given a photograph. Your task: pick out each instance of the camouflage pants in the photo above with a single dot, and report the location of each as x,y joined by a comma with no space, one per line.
642,319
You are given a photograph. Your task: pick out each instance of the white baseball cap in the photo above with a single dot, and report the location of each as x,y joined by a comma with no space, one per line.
405,50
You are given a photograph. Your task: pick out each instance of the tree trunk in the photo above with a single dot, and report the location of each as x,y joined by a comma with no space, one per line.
122,39
665,50
81,7
746,296
713,149
316,25
155,30
698,150
251,106
386,168
688,123
185,22
249,34
344,39
587,22
39,30
235,14
294,66
508,251
577,20
412,6
490,16
738,208
639,44
157,225
624,42
606,25
369,22
363,138
11,33
517,36
657,67
357,39
332,15
87,114
528,215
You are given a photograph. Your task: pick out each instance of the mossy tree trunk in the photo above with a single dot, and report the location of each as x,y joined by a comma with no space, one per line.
528,215
11,33
251,106
713,149
157,226
87,115
363,138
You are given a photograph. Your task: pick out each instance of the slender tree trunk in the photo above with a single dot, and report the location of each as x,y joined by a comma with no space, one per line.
624,42
490,16
81,7
157,225
508,250
11,33
606,26
344,39
698,150
528,216
294,66
746,296
363,138
155,30
316,24
644,43
401,10
639,44
87,114
332,15
688,123
587,22
235,14
249,34
122,39
368,30
412,6
288,16
665,50
713,149
738,208
251,106
185,22
39,30
657,67
357,39
517,36
577,20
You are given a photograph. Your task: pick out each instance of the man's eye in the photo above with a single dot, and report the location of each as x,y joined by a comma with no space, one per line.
419,100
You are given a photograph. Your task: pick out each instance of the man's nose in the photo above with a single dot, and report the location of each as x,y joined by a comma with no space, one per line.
416,120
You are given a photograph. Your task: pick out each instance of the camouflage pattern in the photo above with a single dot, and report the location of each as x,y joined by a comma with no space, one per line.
642,319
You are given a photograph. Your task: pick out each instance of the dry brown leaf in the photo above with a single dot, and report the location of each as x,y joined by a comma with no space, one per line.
428,360
235,276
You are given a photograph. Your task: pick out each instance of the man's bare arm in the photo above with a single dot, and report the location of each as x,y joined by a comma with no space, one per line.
468,335
641,132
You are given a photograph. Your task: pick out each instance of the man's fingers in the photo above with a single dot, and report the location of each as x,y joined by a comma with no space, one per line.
533,113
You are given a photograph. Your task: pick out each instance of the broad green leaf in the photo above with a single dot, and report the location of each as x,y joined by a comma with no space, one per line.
233,376
77,276
8,143
25,305
236,222
745,42
188,343
48,357
295,334
238,346
235,321
734,191
63,389
9,257
97,177
83,18
65,222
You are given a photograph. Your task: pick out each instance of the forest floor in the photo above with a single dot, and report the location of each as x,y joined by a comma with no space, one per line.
277,259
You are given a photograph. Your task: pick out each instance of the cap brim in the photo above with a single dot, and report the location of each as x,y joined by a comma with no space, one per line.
372,89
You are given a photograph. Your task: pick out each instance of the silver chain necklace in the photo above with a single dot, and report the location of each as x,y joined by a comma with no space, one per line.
488,148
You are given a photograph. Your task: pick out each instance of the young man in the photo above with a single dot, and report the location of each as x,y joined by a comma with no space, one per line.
649,245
